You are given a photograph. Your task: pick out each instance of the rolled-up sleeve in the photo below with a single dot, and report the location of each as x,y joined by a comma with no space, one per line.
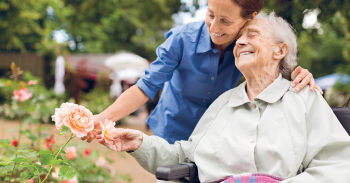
161,70
328,145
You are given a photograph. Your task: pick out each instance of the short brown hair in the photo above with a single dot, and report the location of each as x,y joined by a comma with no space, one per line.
249,7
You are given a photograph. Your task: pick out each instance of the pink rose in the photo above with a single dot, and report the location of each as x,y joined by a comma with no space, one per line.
55,173
31,82
31,180
80,121
71,152
108,130
22,94
61,113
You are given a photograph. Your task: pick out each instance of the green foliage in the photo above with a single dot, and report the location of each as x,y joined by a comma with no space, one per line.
66,173
37,109
23,24
96,101
4,141
113,25
21,165
46,159
322,50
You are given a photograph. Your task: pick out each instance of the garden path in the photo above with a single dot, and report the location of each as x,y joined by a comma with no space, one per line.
127,165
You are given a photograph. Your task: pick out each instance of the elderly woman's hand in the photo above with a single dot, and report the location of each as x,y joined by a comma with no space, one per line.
92,135
303,75
124,140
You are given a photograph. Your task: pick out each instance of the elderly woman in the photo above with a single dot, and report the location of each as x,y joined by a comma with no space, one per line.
263,125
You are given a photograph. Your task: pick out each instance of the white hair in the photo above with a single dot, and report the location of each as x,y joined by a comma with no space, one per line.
283,32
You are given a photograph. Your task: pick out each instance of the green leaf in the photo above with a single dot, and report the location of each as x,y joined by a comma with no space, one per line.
59,157
28,154
66,173
26,175
45,152
26,131
63,152
44,135
63,162
5,141
26,165
21,160
40,168
63,130
27,120
25,151
32,137
80,176
5,163
42,128
46,159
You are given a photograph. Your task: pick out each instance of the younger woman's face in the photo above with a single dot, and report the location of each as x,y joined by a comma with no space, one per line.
224,21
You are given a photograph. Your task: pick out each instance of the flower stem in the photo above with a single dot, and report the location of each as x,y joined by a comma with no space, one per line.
13,170
71,137
20,122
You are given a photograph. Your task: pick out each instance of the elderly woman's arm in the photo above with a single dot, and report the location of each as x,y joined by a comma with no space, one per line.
149,151
155,152
328,145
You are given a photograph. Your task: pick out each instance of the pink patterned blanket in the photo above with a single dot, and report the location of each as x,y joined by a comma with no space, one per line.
253,178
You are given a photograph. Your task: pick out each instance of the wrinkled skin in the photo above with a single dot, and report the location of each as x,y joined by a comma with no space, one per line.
124,140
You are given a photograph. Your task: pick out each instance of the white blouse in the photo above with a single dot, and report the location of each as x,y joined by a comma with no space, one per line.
290,134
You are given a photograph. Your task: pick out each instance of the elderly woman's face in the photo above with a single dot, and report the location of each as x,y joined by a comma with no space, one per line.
255,47
224,21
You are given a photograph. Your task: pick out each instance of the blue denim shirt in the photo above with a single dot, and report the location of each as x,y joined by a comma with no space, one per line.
189,64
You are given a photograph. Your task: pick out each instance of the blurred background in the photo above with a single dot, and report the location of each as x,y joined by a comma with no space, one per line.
34,32
71,49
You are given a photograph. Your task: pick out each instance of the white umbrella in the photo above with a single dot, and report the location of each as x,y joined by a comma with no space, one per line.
123,60
130,74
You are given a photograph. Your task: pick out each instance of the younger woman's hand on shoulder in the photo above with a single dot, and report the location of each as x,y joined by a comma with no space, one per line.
304,77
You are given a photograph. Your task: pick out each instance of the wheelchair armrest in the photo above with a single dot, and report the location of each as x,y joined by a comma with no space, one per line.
178,171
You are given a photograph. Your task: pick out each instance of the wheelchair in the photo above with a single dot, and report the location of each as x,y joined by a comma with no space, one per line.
182,171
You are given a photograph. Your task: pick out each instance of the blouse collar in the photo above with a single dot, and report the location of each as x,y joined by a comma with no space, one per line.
271,94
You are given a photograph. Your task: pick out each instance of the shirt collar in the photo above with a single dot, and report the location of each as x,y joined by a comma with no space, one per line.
204,43
271,94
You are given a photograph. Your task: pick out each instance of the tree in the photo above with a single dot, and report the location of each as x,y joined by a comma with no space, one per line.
323,50
23,24
112,25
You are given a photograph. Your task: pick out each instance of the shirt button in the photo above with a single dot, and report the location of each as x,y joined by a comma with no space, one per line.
204,100
254,105
208,92
212,78
251,140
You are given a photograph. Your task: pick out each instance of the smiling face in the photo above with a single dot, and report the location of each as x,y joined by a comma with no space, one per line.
255,50
224,21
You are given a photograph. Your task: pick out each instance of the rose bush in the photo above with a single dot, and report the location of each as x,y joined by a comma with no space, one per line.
23,162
